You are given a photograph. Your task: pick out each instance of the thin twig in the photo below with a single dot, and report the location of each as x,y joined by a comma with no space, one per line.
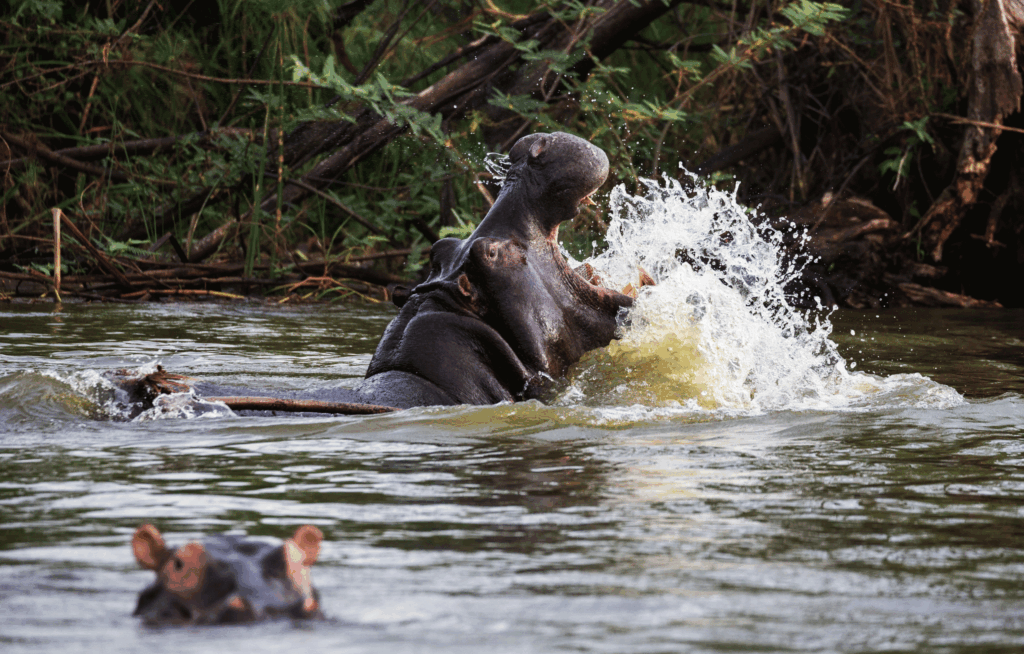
56,253
145,64
979,123
359,219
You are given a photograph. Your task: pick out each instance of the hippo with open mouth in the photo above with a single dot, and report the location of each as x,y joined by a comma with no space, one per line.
227,579
501,313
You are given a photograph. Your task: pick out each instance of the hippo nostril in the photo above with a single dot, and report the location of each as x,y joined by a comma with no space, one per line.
178,565
183,612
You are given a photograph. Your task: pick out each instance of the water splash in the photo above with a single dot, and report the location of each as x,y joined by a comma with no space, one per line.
110,401
718,332
497,165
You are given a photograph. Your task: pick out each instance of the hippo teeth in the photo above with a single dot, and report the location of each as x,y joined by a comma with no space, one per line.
587,201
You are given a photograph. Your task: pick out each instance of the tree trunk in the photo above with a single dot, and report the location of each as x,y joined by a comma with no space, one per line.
995,92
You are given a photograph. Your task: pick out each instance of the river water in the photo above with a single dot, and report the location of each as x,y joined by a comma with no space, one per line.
894,523
731,474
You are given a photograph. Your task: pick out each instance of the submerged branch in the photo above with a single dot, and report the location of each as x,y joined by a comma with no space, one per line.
300,406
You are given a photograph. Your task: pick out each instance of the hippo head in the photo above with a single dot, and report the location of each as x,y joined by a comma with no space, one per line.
501,311
226,579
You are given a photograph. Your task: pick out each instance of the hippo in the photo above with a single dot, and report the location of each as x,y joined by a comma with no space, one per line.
501,314
227,579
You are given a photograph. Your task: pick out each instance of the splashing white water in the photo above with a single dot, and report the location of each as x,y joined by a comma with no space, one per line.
114,402
497,165
717,331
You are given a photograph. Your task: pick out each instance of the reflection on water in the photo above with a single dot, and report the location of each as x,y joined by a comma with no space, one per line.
893,524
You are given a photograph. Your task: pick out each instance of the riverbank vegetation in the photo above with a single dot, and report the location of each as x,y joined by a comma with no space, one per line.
313,149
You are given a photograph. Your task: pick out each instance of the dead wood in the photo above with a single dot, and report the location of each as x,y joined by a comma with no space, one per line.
995,92
141,147
37,150
301,406
933,297
56,252
172,278
753,143
102,259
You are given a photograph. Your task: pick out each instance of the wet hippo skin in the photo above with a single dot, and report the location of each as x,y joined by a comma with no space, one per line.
501,314
227,579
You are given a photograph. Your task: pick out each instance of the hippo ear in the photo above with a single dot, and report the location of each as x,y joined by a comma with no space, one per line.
465,287
537,147
399,294
308,538
149,548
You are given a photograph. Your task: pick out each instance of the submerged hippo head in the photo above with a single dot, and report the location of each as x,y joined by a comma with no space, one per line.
501,310
227,579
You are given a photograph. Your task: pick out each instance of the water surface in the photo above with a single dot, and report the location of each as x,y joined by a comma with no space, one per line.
892,520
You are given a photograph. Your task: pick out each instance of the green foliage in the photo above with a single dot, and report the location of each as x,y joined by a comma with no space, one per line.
900,158
813,17
463,229
692,83
25,10
380,95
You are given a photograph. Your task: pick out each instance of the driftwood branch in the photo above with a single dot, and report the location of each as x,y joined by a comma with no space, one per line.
300,406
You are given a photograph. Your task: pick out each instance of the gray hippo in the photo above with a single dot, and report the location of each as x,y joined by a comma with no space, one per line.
226,579
501,313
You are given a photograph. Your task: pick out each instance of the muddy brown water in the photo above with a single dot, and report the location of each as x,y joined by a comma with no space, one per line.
517,528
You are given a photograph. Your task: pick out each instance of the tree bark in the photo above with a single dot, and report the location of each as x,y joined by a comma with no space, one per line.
995,92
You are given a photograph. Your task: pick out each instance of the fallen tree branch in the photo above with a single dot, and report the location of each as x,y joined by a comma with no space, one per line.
40,151
927,296
101,258
960,120
753,143
299,406
133,148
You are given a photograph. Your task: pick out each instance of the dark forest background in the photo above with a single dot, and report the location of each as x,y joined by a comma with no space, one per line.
314,149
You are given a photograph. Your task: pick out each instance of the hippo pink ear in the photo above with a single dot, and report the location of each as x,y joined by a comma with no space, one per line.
465,287
537,147
149,548
308,538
